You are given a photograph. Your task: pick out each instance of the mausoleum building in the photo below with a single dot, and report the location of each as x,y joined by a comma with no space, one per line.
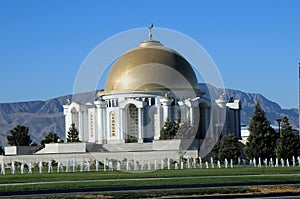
146,87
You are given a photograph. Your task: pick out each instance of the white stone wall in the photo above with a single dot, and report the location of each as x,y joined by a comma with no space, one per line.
63,148
10,150
63,158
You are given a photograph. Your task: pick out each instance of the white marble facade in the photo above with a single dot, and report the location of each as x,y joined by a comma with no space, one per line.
128,117
121,118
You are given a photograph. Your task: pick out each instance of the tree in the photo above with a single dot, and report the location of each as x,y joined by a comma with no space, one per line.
50,138
229,148
262,139
169,130
289,145
19,136
73,134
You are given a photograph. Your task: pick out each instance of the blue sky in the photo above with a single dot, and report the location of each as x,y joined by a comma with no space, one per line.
255,44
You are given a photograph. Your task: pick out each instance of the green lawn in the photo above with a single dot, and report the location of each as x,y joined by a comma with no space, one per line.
160,177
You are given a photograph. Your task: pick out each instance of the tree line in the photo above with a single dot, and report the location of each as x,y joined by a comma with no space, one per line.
19,136
264,142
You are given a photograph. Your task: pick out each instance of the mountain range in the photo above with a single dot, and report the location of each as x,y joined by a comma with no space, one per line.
47,116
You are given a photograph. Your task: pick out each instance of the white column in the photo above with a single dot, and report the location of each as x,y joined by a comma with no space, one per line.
166,102
108,124
80,126
98,132
182,111
67,114
101,122
166,113
85,125
158,123
222,119
121,125
191,116
140,120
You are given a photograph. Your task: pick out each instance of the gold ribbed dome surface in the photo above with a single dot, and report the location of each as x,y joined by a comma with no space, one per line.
149,67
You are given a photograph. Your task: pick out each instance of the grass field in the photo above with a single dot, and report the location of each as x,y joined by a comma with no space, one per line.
36,181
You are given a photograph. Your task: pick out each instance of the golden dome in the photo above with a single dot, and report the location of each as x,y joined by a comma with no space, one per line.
150,67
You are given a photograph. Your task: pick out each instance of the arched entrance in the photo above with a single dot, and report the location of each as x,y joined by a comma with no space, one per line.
132,124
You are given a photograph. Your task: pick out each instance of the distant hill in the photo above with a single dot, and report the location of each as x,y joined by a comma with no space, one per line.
43,117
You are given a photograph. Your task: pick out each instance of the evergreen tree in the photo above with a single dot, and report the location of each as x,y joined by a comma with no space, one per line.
169,130
19,136
73,134
50,138
229,148
262,139
289,145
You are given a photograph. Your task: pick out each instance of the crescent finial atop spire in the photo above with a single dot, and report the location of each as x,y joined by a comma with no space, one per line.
150,31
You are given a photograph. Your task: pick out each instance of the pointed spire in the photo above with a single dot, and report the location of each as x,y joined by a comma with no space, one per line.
150,31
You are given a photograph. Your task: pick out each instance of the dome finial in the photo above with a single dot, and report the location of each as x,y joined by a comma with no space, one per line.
150,31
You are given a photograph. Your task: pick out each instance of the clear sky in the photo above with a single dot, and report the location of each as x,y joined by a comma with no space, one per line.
255,44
